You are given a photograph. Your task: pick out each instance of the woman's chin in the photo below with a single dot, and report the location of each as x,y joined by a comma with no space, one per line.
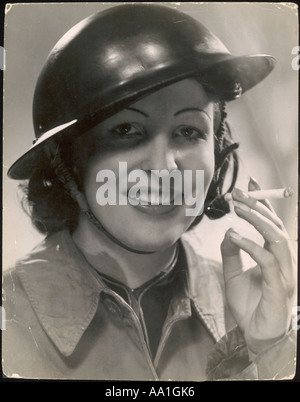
153,243
143,232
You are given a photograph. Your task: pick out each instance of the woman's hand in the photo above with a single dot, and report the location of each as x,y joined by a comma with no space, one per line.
260,298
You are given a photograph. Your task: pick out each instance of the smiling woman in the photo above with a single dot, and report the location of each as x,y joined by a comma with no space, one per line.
155,143
116,290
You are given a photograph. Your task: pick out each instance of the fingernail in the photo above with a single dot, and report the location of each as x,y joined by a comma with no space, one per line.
240,194
235,235
253,181
253,184
242,206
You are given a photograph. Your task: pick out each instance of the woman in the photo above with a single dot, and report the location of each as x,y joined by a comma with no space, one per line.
115,291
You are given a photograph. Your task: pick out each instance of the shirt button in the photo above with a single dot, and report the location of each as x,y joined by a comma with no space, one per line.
112,307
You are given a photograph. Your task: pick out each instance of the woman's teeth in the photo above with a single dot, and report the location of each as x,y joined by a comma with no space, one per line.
154,199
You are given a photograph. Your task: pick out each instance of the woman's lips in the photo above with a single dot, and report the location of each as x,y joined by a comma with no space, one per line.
156,209
156,203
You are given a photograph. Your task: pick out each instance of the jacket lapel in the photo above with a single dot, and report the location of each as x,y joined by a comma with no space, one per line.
62,290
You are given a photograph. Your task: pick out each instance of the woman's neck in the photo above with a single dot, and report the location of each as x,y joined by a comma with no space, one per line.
106,257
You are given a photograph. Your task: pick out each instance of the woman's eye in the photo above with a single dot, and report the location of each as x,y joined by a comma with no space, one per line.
127,130
190,133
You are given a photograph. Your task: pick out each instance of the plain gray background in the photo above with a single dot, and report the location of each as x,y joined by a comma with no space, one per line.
264,120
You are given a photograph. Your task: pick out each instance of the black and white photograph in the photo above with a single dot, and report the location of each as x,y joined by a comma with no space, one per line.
150,173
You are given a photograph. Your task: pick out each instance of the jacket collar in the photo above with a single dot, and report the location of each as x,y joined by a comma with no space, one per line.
64,290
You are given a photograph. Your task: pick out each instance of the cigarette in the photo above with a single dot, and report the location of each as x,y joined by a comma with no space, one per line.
275,193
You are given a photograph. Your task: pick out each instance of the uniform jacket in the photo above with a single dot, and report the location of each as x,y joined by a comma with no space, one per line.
64,322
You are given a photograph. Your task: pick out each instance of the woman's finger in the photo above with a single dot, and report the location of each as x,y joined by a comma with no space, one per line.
252,186
277,277
277,240
274,283
244,201
231,257
260,255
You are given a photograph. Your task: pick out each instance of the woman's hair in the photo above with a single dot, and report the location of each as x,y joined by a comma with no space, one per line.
52,194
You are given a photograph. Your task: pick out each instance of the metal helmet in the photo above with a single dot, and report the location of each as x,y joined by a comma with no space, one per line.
117,56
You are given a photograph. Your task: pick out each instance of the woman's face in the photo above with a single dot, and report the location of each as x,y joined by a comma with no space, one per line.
171,129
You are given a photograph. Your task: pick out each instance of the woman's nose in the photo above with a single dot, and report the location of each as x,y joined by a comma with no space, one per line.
159,155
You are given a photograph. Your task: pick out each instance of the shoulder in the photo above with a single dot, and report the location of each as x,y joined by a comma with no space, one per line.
20,322
42,258
26,292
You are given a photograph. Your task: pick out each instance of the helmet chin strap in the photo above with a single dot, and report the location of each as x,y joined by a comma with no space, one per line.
91,217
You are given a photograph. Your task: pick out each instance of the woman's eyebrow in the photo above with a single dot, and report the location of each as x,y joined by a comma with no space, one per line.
138,111
192,109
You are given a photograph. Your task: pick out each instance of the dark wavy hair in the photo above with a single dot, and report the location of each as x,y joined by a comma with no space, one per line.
50,193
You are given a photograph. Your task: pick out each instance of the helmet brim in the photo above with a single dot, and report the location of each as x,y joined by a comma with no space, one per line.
247,70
